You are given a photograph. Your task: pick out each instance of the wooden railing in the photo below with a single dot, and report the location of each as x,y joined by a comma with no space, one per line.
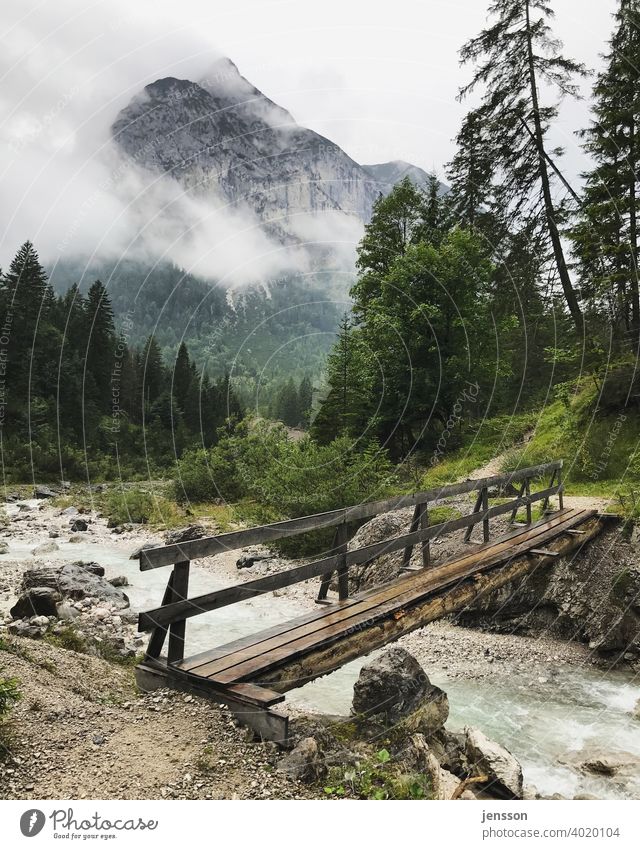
176,607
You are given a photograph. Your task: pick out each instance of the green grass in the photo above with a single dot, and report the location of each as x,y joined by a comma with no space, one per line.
479,445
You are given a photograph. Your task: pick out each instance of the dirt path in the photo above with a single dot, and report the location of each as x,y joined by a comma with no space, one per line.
81,731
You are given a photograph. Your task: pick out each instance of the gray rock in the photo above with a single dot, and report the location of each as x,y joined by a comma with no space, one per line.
69,511
74,581
67,612
36,601
394,688
99,739
91,566
119,581
386,567
44,548
39,621
44,492
76,538
184,534
249,560
635,713
136,554
303,763
503,771
22,628
53,534
79,525
4,547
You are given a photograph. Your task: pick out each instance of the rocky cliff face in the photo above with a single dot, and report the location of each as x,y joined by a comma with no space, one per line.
222,140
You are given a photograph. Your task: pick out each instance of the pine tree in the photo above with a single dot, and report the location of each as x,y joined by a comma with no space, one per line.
151,373
346,406
606,234
100,346
183,374
513,58
305,400
28,303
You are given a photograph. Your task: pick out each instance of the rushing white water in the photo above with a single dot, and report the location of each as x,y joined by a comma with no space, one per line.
543,722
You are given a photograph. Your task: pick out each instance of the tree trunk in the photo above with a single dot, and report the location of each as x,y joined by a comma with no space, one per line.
633,234
558,252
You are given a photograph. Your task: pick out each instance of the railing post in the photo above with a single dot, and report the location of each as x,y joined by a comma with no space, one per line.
485,506
476,508
426,544
545,503
159,634
343,567
177,629
561,490
527,492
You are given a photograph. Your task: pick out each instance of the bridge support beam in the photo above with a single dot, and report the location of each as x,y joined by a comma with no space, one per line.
367,638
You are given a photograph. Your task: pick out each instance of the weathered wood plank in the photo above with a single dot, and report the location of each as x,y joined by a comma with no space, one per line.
153,558
218,652
325,659
240,592
363,612
362,620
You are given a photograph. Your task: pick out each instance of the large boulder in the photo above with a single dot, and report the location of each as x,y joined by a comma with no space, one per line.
79,526
36,601
394,688
74,581
503,771
386,567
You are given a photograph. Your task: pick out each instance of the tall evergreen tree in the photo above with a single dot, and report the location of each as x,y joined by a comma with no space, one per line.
606,234
100,346
513,58
183,374
305,400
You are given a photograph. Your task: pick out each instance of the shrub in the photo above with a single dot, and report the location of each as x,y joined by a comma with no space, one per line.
140,507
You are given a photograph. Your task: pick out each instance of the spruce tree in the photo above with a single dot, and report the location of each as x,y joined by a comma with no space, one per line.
606,233
513,58
100,346
183,374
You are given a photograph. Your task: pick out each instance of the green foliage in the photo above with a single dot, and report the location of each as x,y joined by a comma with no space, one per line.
140,507
284,478
377,778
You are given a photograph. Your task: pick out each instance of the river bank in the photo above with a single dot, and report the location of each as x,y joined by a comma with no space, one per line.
547,700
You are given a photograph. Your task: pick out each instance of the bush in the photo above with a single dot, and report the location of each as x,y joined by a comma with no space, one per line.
140,507
285,479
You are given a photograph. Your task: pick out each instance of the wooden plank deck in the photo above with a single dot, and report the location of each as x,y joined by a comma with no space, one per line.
240,666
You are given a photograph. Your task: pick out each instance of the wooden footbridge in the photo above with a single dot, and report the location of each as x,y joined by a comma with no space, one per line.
252,674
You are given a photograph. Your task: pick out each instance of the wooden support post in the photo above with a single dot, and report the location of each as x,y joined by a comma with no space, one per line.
177,630
158,635
426,545
527,492
476,508
325,581
545,503
561,490
413,527
343,567
514,512
484,492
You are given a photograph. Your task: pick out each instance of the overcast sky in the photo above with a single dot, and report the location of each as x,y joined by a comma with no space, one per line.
379,78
